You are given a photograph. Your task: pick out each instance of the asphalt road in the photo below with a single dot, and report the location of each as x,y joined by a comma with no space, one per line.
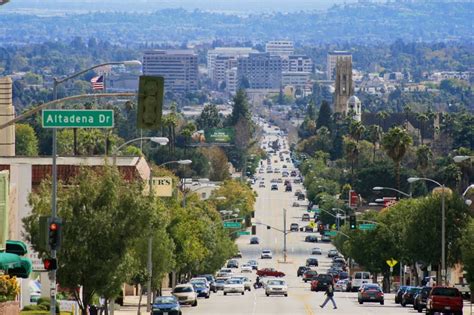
300,300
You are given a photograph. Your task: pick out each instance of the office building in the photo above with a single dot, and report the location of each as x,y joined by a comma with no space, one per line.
232,80
282,48
261,70
221,59
296,79
178,67
332,59
298,63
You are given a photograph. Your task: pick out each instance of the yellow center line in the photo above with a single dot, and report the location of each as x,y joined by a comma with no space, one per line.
307,306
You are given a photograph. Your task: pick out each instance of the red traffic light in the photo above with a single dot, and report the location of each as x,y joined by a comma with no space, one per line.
53,227
50,264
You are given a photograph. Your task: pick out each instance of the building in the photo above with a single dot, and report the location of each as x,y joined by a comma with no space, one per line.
260,70
354,108
298,63
332,59
297,79
221,59
344,88
282,48
122,82
232,80
7,113
178,67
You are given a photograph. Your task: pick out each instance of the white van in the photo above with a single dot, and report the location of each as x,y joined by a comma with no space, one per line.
359,278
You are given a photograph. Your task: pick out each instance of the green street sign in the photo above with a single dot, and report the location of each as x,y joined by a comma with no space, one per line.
244,233
368,226
231,225
78,118
330,233
315,210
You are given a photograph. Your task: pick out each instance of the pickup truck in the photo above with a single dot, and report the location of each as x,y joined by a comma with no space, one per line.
444,299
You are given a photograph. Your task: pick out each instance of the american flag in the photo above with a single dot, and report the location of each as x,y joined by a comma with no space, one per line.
98,83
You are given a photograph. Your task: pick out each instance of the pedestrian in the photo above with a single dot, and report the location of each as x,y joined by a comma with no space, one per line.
329,296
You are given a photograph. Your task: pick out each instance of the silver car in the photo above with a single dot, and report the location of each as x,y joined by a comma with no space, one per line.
276,287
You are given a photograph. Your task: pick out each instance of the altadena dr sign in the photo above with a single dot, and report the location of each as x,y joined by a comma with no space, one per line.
78,118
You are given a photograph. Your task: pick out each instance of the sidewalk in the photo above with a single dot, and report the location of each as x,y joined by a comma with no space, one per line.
130,304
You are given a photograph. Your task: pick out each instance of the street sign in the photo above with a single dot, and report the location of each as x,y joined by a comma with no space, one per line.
330,233
78,118
244,233
230,225
368,226
312,224
391,262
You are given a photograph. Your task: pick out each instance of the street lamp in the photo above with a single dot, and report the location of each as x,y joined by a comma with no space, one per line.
159,140
180,162
338,218
461,158
443,223
54,166
467,201
378,188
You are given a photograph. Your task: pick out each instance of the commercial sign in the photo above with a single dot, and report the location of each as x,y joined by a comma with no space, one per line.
214,135
162,186
353,199
77,118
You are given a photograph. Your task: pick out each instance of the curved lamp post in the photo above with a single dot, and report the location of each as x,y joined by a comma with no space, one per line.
378,188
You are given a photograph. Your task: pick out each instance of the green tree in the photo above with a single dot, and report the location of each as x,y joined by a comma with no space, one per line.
240,110
209,117
467,252
424,156
396,143
26,142
375,136
324,116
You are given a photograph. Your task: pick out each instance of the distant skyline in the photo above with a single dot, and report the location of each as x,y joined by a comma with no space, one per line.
244,6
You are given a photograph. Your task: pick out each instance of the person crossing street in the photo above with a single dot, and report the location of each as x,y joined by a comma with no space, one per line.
329,296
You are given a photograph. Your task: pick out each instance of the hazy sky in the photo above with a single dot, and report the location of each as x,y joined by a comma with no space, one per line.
150,5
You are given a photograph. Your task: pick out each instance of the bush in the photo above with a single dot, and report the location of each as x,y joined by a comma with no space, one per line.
43,304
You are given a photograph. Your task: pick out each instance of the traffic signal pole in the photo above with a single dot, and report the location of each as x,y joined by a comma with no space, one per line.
54,213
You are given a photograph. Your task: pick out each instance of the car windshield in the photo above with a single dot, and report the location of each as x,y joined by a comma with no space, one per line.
325,277
220,281
183,289
276,282
372,287
165,300
445,291
234,281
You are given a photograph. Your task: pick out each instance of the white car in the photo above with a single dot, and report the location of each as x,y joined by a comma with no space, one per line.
234,286
246,268
247,282
341,285
185,294
276,287
316,251
224,272
266,254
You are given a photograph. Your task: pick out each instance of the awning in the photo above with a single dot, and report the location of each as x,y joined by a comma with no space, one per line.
15,265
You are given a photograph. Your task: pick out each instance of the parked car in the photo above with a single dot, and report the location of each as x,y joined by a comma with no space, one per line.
266,254
370,293
420,299
254,240
234,286
301,270
311,239
276,287
185,294
321,282
409,296
269,272
168,305
401,290
308,275
312,262
444,299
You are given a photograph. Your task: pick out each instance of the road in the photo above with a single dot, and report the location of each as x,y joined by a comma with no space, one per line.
300,300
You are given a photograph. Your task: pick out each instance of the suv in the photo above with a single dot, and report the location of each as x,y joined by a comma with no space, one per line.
321,282
294,227
312,262
442,299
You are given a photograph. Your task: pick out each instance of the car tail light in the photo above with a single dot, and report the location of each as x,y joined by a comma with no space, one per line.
380,294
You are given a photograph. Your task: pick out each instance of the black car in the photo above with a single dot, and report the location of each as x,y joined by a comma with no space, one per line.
420,299
409,296
301,270
288,188
294,227
308,228
254,240
311,239
301,196
399,294
312,262
321,282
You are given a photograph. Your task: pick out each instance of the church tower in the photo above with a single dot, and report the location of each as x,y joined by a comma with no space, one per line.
7,113
344,88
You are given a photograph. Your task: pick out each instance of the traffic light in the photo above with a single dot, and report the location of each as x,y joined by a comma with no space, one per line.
353,222
54,233
150,102
50,264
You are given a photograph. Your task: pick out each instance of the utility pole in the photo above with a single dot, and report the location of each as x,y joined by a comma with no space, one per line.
284,234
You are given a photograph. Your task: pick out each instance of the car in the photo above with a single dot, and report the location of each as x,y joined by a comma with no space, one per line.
274,187
342,285
269,170
266,254
359,279
325,238
321,282
294,227
297,192
195,280
288,188
220,281
293,173
284,166
269,272
254,240
301,196
276,287
305,217
238,255
279,180
398,296
232,264
245,268
277,170
202,290
297,181
308,275
409,296
301,270
444,299
211,280
261,171
224,272
311,239
309,228
185,294
420,299
284,174
234,286
316,251
332,253
261,185
253,263
370,293
295,204
247,282
312,262
166,305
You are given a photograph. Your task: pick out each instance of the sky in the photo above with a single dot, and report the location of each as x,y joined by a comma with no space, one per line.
151,5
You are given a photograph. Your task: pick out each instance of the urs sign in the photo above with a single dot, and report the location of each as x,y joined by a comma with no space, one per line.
162,186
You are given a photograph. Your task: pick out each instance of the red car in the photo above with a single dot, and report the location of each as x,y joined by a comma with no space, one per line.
269,272
444,299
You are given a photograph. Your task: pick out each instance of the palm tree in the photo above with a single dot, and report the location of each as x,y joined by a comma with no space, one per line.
356,130
422,119
423,157
407,109
352,154
396,143
382,116
375,135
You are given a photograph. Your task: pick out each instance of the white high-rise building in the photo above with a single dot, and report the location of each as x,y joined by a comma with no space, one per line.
221,59
232,80
332,59
282,48
299,63
178,67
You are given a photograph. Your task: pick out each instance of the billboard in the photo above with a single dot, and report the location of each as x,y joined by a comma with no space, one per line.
162,186
214,135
